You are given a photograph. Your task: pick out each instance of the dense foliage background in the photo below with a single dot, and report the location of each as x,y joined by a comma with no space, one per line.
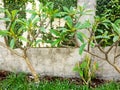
109,9
60,3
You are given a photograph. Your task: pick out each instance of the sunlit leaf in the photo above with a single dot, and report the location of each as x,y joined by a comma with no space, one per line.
23,38
4,32
12,43
115,38
65,9
5,19
81,49
56,42
81,73
80,36
69,21
55,32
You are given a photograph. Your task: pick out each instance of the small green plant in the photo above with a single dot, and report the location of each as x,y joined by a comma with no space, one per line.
86,70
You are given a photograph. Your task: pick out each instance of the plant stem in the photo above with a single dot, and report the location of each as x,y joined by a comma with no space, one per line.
36,78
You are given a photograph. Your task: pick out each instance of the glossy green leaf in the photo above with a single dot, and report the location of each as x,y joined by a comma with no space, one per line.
77,26
80,36
116,28
81,73
83,65
85,25
35,20
66,9
69,21
81,49
102,37
38,41
23,38
117,23
14,13
12,43
55,32
8,14
43,29
5,19
56,42
92,44
4,32
115,38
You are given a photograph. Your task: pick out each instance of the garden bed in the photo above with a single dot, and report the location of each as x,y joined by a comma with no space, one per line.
9,80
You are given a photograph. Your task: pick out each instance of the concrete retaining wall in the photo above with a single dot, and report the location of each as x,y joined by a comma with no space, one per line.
54,62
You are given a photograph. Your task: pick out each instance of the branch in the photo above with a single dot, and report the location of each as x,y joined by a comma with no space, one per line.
115,52
98,45
112,46
101,49
94,55
117,56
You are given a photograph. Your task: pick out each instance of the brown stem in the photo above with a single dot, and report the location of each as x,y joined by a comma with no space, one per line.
94,55
36,78
112,46
98,44
112,64
89,39
117,56
101,49
115,52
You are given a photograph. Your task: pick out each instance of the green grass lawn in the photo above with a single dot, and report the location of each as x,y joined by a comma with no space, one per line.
20,82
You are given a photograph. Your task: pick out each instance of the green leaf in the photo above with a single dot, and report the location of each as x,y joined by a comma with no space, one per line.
117,22
83,65
12,43
35,20
55,32
85,25
80,36
38,41
92,44
14,13
76,68
43,29
77,26
102,37
69,21
100,31
22,22
13,27
23,38
81,73
8,14
115,38
65,9
81,49
5,19
116,28
4,32
56,42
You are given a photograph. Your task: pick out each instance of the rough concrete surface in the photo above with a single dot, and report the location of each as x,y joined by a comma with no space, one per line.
55,62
